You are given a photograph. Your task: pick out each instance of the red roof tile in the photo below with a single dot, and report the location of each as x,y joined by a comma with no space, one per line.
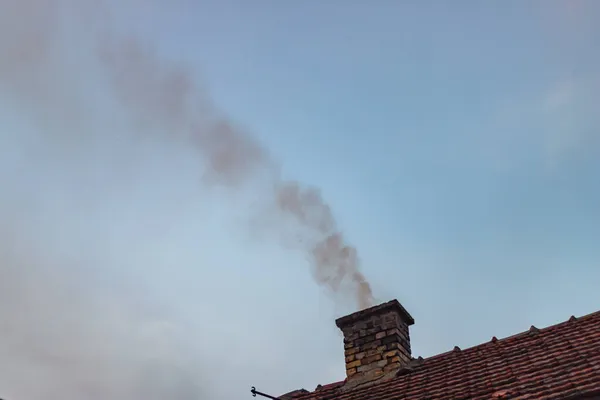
558,362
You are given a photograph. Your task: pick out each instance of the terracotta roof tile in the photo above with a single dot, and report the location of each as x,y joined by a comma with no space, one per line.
542,364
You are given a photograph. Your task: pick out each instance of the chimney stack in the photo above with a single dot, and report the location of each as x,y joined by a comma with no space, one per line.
376,341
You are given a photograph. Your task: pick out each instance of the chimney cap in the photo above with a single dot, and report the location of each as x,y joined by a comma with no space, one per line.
393,305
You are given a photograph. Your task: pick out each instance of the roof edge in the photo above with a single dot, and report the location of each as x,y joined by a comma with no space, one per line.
523,333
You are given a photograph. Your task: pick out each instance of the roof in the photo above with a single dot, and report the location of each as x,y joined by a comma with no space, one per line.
558,362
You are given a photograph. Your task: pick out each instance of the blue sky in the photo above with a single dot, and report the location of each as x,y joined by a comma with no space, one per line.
457,145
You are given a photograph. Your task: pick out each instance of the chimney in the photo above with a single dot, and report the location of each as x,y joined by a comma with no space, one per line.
376,341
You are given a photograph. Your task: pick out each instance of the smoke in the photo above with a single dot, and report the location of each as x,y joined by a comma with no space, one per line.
58,340
159,96
63,334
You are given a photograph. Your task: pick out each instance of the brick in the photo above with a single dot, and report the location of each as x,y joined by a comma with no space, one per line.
390,354
372,352
393,346
370,359
353,364
352,337
391,367
373,331
371,345
360,325
390,339
350,351
368,368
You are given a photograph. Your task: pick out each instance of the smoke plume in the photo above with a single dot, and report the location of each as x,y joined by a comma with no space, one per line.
159,95
75,340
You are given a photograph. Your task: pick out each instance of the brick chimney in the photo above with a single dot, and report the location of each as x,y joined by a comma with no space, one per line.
376,341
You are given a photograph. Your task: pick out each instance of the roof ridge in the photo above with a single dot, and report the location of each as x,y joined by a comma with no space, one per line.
519,334
589,315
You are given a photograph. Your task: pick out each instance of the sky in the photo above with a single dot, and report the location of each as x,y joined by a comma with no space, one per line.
455,145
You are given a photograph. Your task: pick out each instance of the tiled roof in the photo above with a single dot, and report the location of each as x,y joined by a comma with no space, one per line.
558,362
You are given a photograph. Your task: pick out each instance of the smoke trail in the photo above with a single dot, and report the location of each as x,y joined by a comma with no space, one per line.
63,332
161,95
74,339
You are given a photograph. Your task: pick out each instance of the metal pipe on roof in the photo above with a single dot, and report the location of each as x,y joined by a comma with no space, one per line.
256,392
